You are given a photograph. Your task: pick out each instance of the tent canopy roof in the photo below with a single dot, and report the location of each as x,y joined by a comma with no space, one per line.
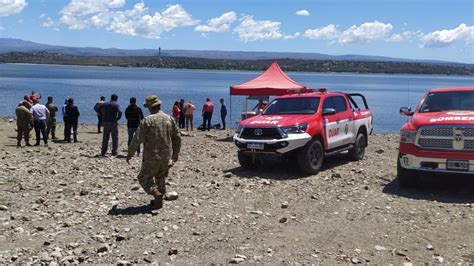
271,82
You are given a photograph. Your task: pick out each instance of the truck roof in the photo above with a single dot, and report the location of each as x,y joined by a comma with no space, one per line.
452,89
311,94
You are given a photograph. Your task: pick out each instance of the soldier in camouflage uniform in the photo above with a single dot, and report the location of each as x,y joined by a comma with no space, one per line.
51,124
24,123
161,141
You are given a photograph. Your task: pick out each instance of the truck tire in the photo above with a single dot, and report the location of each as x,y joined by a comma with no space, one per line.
311,157
406,178
357,153
244,160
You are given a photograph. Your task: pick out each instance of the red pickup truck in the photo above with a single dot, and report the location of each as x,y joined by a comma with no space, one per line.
310,125
439,135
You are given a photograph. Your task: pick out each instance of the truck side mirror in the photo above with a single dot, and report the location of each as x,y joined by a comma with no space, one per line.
329,111
406,111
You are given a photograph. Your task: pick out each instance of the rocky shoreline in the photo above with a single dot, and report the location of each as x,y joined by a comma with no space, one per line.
62,204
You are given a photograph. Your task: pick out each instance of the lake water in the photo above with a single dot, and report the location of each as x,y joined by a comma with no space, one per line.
385,93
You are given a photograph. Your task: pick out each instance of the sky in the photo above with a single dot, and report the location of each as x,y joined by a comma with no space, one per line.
411,29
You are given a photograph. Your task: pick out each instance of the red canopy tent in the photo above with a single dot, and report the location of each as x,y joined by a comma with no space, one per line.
272,82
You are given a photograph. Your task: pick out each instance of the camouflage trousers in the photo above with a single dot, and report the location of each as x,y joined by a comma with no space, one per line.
152,175
23,132
51,127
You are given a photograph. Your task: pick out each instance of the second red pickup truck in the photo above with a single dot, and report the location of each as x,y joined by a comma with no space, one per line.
309,125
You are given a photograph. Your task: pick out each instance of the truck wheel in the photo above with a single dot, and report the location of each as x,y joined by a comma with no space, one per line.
311,156
244,160
406,177
357,153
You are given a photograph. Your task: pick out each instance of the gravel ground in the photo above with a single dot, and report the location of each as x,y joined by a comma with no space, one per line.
62,204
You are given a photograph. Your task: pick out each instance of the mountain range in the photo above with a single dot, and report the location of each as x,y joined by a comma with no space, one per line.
8,45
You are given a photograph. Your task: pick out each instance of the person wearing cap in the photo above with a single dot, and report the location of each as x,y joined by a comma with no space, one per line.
98,110
161,141
51,124
40,116
111,114
72,120
134,115
24,122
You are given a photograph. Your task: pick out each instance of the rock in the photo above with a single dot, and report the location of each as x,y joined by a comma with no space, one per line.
356,261
172,195
19,230
266,182
429,247
3,208
380,248
438,259
173,251
66,259
256,212
336,175
380,151
84,192
123,263
228,175
284,205
120,238
40,228
159,235
102,248
56,254
238,259
283,220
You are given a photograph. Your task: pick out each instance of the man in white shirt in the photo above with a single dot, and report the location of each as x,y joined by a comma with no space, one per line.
40,115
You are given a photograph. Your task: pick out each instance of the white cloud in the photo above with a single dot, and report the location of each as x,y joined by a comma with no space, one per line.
443,38
2,28
219,24
82,14
366,32
250,30
303,13
10,7
404,36
43,15
292,36
328,32
48,23
76,14
150,26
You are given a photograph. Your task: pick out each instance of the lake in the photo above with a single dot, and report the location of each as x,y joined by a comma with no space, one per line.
385,93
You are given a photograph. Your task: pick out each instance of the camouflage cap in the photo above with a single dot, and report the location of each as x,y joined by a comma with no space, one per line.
152,101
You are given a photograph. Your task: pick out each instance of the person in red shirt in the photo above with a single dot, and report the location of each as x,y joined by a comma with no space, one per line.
207,110
176,112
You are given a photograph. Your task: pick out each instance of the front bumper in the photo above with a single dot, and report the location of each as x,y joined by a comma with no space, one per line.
413,158
280,146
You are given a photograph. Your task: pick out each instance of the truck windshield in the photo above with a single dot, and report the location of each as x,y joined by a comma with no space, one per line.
299,105
448,101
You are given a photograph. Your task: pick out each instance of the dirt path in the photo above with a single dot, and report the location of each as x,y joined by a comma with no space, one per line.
62,204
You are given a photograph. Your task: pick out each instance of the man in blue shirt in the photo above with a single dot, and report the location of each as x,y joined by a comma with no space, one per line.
223,113
111,114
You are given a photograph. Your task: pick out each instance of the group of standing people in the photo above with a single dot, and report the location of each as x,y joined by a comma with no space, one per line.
31,114
183,114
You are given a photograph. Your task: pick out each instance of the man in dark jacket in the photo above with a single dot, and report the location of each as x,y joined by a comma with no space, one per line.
134,115
111,114
223,113
71,120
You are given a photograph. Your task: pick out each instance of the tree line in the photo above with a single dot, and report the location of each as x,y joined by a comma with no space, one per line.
386,67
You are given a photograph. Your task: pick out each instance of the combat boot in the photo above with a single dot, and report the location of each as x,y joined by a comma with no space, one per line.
158,201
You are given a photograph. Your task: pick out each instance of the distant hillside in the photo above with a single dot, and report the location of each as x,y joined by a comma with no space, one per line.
8,45
388,67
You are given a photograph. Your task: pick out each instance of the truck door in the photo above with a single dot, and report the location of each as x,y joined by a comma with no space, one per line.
339,126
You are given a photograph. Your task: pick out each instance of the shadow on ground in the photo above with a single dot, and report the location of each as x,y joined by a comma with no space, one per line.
276,168
446,188
136,210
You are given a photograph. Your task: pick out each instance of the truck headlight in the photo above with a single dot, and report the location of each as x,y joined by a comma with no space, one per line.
298,128
408,136
238,129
